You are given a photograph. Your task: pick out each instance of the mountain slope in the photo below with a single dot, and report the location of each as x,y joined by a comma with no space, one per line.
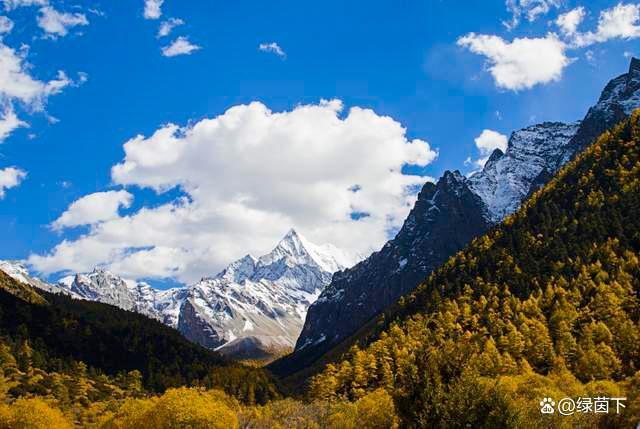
533,156
424,242
62,330
549,298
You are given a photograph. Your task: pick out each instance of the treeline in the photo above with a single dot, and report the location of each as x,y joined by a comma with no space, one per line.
546,305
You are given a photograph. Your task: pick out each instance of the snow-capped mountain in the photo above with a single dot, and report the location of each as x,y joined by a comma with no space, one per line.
260,303
252,308
19,272
102,286
507,178
448,215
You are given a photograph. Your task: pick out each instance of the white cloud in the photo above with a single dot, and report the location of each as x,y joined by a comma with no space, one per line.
180,46
57,24
490,140
6,25
619,22
272,47
487,142
14,4
532,9
9,122
521,63
82,78
569,22
248,176
153,9
17,86
16,83
94,208
10,177
167,26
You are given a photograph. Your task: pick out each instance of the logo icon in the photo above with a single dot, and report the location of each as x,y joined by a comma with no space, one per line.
546,406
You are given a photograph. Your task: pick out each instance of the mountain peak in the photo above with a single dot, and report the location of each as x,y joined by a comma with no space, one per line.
452,174
495,156
100,271
634,65
263,299
451,179
292,233
292,241
292,244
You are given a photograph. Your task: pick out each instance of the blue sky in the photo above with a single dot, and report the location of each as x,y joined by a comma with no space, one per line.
402,59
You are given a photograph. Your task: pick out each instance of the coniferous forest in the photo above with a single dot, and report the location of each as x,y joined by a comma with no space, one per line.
546,304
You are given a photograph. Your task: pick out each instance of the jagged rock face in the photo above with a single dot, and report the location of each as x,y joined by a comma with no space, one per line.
446,216
103,286
532,153
196,328
533,156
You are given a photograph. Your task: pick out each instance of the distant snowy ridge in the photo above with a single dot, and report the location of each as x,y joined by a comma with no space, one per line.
19,272
254,307
507,178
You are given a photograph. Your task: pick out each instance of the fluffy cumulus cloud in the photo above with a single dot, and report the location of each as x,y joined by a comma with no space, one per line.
94,208
10,177
528,61
57,24
532,9
167,26
521,63
619,22
487,142
245,177
180,46
272,47
153,9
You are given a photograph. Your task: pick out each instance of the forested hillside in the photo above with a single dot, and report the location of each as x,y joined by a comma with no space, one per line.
545,305
45,382
55,333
